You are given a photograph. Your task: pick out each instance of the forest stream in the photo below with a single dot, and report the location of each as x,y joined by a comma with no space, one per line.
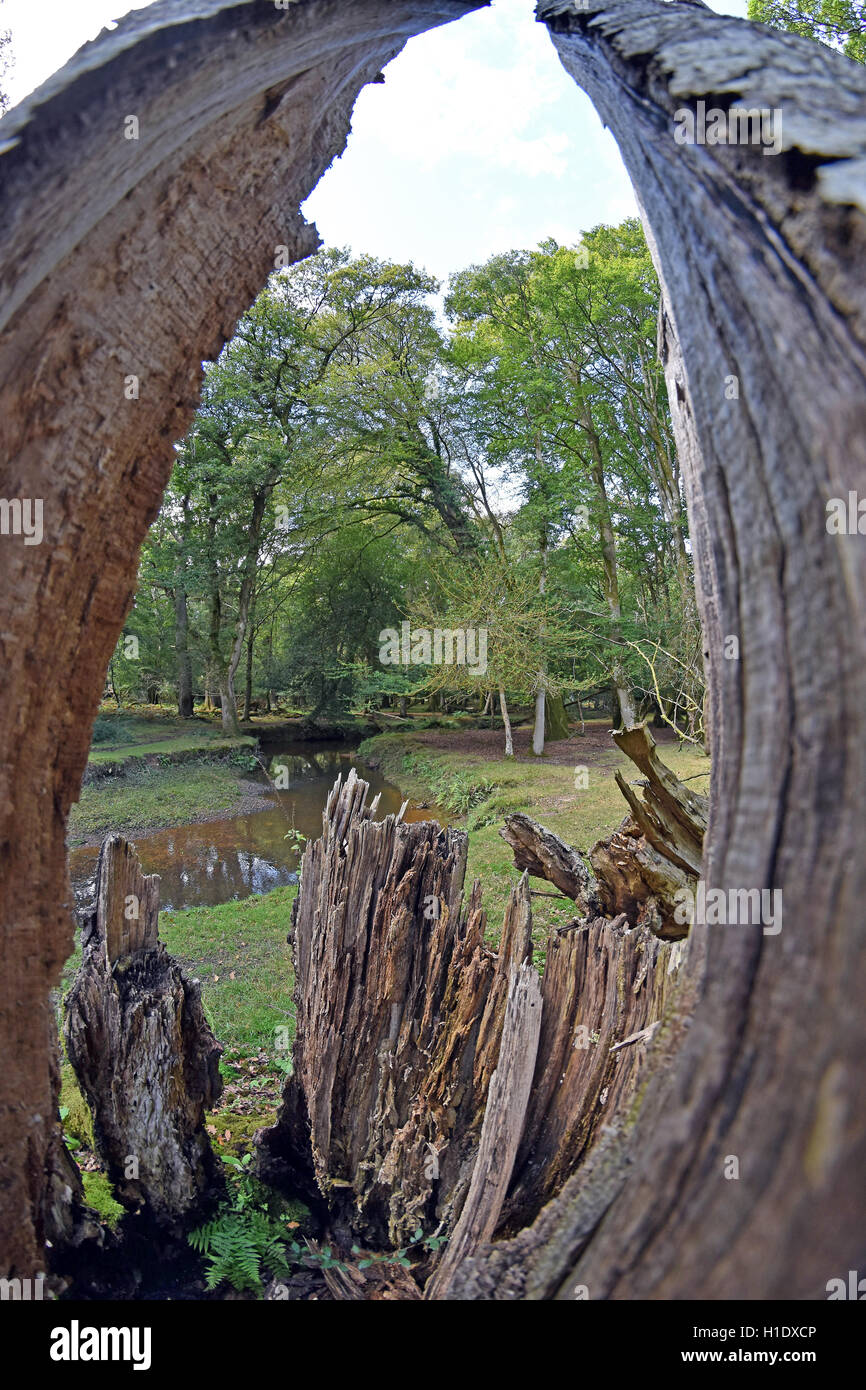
220,860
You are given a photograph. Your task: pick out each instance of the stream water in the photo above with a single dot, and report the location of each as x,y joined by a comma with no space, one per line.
215,861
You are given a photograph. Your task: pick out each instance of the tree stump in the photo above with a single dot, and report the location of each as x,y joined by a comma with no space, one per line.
142,1049
399,1008
437,1083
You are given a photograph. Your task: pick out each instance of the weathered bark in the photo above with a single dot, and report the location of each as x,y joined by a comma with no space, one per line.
653,859
644,867
505,1110
555,719
399,1008
544,855
142,1050
506,723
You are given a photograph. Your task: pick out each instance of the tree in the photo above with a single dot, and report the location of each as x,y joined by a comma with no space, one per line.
840,24
558,349
503,611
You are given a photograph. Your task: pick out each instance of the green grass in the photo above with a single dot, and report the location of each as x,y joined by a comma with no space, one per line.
483,791
239,952
145,798
164,747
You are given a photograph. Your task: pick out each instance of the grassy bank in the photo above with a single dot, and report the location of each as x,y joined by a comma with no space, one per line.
150,769
122,734
571,790
150,797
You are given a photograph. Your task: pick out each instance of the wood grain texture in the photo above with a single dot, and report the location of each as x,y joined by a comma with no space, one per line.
142,1050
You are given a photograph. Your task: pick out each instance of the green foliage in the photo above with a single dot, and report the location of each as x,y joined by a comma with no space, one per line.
244,1243
112,729
457,791
247,1242
430,1243
357,461
839,24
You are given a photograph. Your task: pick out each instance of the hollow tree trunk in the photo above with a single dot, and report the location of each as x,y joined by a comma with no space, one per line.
140,268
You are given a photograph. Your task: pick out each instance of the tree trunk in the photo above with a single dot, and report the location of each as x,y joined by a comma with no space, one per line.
538,729
506,722
538,722
184,667
142,1050
555,719
248,680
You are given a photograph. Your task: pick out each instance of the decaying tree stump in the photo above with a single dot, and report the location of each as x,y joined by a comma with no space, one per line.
437,1083
399,1008
142,1049
644,867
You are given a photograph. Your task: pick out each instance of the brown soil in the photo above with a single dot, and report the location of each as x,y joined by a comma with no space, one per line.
592,745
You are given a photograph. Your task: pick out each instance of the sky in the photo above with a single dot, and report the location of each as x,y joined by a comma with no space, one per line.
477,142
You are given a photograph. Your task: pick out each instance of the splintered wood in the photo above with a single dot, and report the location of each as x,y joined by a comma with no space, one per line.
142,1049
439,1084
644,869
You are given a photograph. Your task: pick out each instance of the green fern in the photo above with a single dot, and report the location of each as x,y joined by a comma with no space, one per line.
238,1246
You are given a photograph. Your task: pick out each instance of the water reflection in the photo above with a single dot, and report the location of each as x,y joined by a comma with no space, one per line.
232,858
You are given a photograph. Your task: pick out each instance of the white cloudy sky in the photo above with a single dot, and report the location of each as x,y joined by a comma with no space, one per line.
477,142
